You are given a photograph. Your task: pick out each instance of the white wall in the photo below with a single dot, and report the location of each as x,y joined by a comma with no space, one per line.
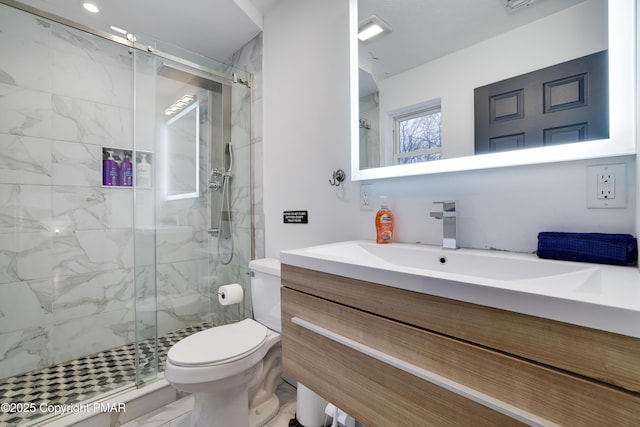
306,122
306,137
503,208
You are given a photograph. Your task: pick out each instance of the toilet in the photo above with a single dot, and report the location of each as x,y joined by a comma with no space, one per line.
233,370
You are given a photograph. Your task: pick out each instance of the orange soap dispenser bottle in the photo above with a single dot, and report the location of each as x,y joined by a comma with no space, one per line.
384,222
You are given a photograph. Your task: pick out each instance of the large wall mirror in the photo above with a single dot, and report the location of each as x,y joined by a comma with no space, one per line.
438,53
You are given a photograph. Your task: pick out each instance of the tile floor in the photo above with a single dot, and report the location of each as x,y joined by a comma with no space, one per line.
83,379
178,413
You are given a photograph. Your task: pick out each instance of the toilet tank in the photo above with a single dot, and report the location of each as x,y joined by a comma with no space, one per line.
265,292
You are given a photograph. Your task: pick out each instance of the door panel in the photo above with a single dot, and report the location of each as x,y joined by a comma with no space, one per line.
561,104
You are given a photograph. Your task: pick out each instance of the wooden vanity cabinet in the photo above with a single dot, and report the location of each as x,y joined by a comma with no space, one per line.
391,357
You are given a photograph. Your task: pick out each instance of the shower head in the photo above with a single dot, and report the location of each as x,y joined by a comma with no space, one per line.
229,150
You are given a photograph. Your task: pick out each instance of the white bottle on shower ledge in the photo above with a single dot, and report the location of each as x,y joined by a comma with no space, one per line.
143,173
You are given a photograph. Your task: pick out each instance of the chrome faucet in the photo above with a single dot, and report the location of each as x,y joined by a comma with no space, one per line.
449,223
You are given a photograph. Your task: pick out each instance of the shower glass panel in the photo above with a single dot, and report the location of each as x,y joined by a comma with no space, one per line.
98,281
225,142
66,244
188,122
175,133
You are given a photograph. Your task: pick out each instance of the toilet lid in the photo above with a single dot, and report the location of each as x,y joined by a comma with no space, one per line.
220,344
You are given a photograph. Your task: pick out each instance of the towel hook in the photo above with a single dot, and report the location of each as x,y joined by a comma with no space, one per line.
338,177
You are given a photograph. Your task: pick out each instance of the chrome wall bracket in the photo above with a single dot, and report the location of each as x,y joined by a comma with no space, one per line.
338,177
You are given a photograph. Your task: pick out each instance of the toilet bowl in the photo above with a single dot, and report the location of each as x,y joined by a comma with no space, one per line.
233,370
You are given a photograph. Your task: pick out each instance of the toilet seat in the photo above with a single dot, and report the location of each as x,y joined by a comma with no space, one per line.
219,345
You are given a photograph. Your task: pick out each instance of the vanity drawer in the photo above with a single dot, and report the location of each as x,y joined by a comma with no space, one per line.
604,356
457,383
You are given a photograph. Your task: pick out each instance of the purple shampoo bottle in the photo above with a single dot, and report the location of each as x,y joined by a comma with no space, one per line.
126,171
110,170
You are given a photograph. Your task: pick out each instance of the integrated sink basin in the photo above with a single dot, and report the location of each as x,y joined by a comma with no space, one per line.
474,265
593,295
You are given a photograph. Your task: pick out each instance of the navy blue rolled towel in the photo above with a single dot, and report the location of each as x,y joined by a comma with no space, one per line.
601,248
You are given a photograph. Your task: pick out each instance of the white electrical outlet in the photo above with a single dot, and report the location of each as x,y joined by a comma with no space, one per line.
607,186
365,198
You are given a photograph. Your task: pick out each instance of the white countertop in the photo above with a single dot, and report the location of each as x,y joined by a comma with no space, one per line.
593,295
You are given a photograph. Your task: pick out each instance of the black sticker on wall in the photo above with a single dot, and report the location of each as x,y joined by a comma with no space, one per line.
296,217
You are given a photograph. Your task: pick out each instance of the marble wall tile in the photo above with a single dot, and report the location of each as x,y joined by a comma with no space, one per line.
145,286
186,212
25,43
183,295
178,278
146,301
82,252
176,243
145,208
88,67
82,296
241,206
92,208
168,323
24,111
92,334
147,320
25,305
71,41
25,350
249,58
25,256
242,162
145,248
91,122
184,310
24,208
24,160
75,164
91,80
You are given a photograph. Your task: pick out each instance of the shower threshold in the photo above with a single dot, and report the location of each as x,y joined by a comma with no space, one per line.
77,382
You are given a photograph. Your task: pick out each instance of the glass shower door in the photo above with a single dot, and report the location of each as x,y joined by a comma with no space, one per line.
145,218
179,127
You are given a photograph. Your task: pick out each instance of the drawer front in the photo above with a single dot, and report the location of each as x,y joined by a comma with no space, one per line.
492,388
600,355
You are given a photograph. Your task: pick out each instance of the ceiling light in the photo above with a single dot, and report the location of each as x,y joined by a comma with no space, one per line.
179,105
514,5
91,7
372,27
370,31
118,30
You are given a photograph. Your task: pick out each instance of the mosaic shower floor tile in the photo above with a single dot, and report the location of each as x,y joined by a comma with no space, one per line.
81,380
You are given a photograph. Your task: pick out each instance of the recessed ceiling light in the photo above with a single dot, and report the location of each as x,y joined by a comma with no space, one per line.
91,7
371,27
369,31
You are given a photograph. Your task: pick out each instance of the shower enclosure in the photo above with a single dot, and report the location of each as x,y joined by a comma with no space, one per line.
97,281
